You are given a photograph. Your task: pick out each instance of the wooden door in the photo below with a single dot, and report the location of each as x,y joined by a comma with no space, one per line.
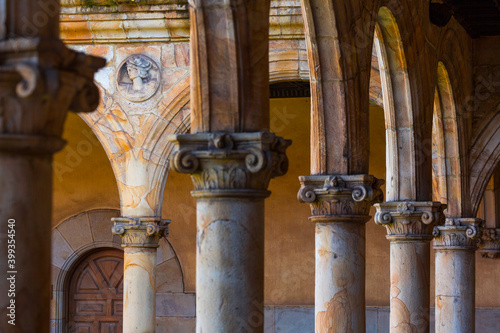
96,294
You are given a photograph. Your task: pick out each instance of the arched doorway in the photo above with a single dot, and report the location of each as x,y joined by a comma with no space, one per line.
95,298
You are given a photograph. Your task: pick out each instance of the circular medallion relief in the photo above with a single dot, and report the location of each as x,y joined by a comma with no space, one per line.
138,78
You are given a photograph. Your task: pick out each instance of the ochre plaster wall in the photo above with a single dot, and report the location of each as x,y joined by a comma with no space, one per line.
86,181
82,176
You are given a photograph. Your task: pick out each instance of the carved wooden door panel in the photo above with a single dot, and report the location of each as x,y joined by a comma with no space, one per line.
96,294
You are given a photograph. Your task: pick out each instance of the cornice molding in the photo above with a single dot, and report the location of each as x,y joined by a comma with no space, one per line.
107,21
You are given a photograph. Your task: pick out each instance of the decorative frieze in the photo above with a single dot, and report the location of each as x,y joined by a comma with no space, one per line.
409,220
340,195
141,231
230,162
490,243
458,234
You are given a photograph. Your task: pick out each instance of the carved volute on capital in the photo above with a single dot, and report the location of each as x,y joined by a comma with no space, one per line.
458,234
409,220
340,196
230,163
140,232
490,243
40,80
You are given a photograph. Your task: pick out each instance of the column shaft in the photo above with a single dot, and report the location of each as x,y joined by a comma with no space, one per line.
230,265
455,296
455,244
139,290
26,201
410,293
340,276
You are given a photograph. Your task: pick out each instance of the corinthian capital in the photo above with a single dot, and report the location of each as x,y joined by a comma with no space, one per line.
40,80
340,195
458,234
407,220
230,163
490,243
141,231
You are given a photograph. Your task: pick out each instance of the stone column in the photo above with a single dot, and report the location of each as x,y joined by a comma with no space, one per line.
490,243
409,227
140,237
40,80
340,207
455,244
230,173
231,157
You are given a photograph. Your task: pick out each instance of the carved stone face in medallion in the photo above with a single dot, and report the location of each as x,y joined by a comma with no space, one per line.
138,78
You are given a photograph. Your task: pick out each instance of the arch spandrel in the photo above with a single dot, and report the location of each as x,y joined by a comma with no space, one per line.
133,133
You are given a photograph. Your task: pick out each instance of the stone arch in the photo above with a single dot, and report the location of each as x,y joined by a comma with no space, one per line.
397,102
484,158
77,236
376,94
446,147
454,80
439,183
419,74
